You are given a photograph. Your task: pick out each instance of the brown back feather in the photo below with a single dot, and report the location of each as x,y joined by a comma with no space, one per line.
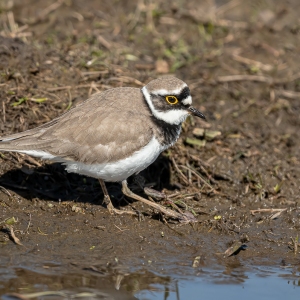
107,127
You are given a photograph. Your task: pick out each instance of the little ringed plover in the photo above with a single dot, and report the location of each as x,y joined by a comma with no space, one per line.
113,134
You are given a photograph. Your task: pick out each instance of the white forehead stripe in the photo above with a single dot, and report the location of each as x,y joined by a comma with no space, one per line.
187,101
164,92
173,117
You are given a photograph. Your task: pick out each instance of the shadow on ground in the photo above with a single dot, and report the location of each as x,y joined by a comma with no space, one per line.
238,173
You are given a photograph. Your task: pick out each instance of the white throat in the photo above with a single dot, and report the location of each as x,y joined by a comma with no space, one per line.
172,117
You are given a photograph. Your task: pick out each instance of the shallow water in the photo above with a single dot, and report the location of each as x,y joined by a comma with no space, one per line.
259,283
275,284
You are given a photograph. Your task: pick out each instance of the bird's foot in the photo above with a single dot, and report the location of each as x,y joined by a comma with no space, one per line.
114,211
124,212
182,217
140,181
108,204
154,193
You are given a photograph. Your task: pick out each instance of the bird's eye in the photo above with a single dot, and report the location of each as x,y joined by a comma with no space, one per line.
171,100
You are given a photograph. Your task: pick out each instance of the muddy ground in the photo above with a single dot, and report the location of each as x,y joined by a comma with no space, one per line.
241,62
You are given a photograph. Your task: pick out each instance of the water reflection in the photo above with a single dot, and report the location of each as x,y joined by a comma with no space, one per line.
94,283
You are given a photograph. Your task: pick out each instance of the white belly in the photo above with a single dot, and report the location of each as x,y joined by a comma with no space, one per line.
122,169
112,171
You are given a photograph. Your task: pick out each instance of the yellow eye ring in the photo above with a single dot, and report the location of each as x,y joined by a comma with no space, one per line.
171,100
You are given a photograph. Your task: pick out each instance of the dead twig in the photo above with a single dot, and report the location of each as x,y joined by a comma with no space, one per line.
46,11
167,224
199,18
95,73
296,243
197,175
174,206
288,94
227,6
248,61
4,111
179,172
258,78
29,223
12,30
12,235
120,228
104,42
33,161
272,210
59,88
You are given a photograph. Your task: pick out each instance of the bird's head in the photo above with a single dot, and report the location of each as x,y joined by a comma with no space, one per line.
170,100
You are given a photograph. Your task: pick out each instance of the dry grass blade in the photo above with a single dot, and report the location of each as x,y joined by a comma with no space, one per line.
179,172
5,191
197,175
29,223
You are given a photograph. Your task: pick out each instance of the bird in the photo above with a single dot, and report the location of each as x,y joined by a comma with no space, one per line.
113,134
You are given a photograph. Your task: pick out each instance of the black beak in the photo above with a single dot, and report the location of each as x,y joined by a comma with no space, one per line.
195,112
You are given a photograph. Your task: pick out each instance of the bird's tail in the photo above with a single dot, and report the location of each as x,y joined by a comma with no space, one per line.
26,142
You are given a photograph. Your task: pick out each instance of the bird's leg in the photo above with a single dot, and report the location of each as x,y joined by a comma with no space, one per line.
140,181
106,199
127,192
108,203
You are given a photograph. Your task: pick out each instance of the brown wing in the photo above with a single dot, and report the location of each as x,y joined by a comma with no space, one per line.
102,129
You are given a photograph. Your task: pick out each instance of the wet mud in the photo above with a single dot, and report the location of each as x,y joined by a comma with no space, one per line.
238,173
